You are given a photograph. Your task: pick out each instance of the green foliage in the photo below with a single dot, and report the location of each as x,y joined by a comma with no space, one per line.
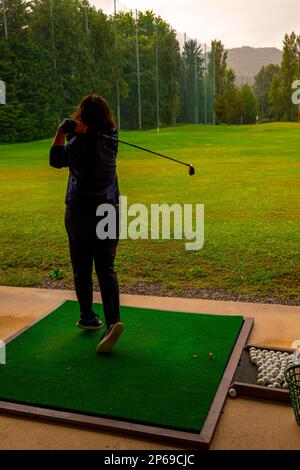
261,89
249,105
56,274
225,102
51,59
192,77
57,51
289,71
232,104
273,84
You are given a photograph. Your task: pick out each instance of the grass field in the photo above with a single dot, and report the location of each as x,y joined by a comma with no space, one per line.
246,176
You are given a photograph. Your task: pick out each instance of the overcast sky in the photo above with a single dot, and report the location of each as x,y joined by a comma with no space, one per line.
256,23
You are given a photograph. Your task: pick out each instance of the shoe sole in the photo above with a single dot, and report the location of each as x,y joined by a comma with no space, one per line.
89,328
110,340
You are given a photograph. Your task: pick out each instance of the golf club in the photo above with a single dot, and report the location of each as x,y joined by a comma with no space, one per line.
189,165
69,125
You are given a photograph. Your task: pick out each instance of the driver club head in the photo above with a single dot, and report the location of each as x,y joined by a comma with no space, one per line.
191,170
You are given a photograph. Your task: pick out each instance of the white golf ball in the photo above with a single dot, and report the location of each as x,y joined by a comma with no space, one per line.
232,392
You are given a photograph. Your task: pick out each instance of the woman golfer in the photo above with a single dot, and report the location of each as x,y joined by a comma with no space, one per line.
91,159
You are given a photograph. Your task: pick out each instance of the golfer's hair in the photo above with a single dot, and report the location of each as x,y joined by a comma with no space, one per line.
94,111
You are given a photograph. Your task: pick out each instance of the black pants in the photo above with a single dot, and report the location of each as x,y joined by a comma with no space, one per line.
86,248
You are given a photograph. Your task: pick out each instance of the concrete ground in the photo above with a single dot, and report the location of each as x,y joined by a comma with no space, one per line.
244,423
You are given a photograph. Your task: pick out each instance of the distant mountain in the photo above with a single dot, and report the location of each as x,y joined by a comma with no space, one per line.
247,61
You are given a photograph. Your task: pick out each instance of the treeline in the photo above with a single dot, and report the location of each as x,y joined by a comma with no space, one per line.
53,52
232,104
273,84
56,51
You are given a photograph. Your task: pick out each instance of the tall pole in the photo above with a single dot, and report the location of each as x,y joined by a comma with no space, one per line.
5,20
173,102
262,101
214,83
138,70
184,82
196,82
86,19
157,82
52,35
205,86
117,56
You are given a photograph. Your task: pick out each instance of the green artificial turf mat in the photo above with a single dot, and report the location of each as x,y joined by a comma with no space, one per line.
152,376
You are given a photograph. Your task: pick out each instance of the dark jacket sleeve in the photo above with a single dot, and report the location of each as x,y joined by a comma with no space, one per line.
58,157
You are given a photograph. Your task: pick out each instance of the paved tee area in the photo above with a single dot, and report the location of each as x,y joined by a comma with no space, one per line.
244,423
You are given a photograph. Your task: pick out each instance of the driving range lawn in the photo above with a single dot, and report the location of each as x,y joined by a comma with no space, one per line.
246,176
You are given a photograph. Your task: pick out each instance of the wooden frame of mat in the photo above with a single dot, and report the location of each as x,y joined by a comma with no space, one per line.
199,440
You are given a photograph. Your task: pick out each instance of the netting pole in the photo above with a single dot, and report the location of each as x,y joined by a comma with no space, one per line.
52,35
184,82
196,83
262,102
5,20
214,84
205,85
118,81
86,19
138,71
157,81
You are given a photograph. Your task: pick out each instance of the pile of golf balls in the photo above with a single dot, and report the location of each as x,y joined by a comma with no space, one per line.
271,366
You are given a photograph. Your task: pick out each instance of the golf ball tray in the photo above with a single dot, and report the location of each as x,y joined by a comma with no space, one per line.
271,366
260,373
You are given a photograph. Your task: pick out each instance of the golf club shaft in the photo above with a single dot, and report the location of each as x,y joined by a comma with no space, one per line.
146,150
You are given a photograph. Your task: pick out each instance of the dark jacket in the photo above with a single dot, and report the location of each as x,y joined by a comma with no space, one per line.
92,163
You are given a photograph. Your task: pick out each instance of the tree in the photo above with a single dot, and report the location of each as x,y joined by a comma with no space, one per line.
225,101
192,73
249,105
276,97
261,89
217,73
289,72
